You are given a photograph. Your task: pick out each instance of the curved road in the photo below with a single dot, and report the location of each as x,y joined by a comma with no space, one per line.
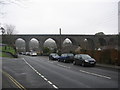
39,72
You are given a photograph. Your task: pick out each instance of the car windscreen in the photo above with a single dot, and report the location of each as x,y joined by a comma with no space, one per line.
55,54
70,54
33,52
85,57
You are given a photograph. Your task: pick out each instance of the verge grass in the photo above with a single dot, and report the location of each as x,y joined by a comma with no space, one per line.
5,50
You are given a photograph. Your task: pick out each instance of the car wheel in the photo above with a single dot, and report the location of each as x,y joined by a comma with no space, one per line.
49,58
83,64
58,60
74,63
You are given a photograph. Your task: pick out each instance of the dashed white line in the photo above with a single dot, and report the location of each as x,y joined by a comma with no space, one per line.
54,86
37,72
51,61
40,74
95,74
63,66
45,79
49,82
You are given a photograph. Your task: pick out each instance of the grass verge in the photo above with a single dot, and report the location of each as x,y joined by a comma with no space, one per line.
7,51
3,54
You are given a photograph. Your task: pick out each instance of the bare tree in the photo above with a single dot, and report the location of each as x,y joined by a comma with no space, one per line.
8,36
10,29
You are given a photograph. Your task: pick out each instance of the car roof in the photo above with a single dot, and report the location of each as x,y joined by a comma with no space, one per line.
67,53
53,53
81,54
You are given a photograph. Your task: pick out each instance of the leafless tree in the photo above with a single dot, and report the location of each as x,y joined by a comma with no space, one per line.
10,29
8,36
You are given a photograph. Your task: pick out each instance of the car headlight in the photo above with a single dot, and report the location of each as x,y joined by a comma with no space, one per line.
86,61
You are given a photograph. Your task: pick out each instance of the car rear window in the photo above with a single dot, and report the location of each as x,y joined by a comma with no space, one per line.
85,56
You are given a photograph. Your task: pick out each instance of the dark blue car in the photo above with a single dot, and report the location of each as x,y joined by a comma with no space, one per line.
66,57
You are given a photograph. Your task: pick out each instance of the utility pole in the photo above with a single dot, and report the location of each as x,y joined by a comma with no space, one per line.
60,41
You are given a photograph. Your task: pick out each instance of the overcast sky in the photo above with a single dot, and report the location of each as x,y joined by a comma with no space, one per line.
72,16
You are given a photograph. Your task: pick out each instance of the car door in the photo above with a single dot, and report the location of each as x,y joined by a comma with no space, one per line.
80,59
76,59
62,57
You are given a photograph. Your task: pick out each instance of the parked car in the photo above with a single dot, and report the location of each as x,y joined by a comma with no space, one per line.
33,54
27,53
20,53
23,53
84,60
66,57
53,56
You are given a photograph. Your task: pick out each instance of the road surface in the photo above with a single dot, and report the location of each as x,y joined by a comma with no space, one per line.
40,72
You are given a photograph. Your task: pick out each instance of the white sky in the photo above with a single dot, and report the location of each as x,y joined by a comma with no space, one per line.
72,16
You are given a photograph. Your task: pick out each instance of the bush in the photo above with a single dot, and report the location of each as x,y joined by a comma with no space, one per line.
108,56
46,50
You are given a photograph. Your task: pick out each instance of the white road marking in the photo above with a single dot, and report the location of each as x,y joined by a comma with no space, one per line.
103,76
49,82
50,62
63,66
40,74
45,79
54,86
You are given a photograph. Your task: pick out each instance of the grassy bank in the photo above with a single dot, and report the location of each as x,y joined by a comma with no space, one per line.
2,54
7,51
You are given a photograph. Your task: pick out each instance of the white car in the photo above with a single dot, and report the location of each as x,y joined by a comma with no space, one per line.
27,53
33,54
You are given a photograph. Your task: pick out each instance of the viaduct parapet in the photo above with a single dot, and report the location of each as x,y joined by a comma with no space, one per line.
93,41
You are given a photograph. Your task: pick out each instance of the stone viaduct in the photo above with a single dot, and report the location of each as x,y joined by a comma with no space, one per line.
92,41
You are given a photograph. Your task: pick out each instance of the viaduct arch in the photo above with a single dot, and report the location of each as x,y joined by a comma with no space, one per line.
93,41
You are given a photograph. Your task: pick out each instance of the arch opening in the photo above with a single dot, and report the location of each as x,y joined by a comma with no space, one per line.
20,45
89,44
50,45
111,41
67,46
102,42
67,42
33,45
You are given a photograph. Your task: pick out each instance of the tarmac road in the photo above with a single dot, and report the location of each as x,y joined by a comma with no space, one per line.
39,72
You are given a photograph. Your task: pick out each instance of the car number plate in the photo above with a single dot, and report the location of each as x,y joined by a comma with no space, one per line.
92,62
